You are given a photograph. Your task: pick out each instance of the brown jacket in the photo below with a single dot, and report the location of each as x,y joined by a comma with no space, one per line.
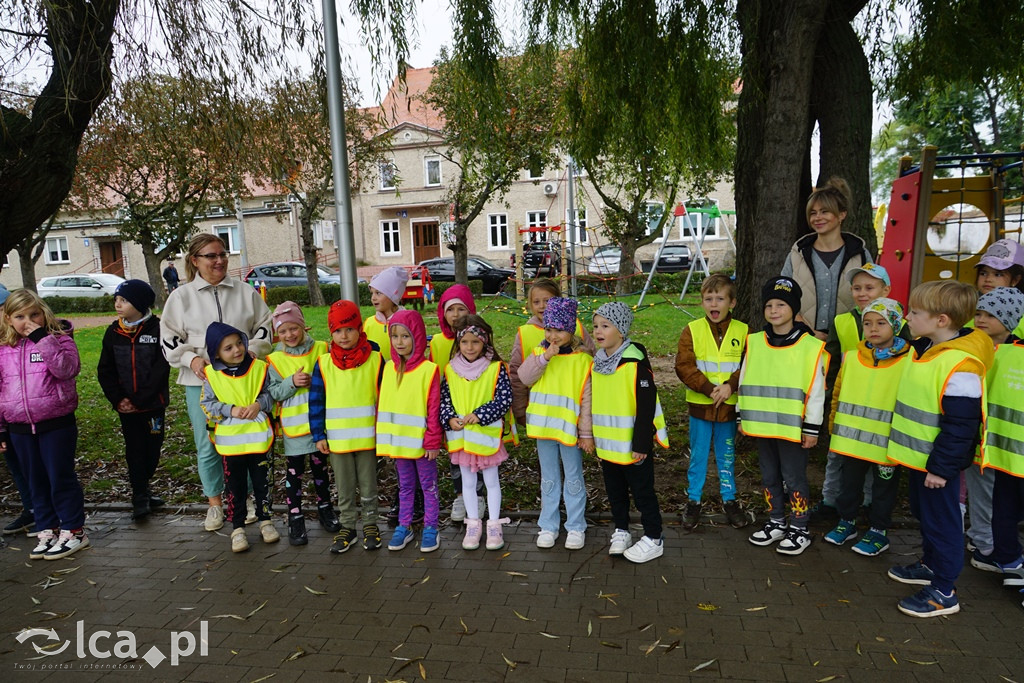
686,370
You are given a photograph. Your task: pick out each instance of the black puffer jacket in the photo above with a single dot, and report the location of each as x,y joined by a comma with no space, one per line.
132,366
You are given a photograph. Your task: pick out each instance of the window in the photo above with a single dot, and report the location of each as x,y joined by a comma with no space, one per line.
388,175
651,214
534,170
535,220
229,234
700,213
497,231
432,171
390,243
57,250
582,235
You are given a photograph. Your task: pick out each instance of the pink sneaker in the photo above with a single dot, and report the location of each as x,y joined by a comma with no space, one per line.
474,529
495,539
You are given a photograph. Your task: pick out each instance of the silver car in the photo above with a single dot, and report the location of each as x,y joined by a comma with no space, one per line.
85,284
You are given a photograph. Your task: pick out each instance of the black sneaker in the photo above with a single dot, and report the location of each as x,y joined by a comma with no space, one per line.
328,519
297,530
343,541
393,515
26,521
823,511
371,537
155,502
691,518
735,515
140,506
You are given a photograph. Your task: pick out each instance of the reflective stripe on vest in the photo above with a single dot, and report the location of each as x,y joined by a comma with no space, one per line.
846,332
614,412
295,410
1003,447
554,407
867,396
776,383
376,331
441,351
467,396
530,337
915,420
402,412
234,436
351,403
717,363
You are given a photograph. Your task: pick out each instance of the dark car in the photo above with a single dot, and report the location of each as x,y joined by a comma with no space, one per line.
541,258
477,268
674,259
290,274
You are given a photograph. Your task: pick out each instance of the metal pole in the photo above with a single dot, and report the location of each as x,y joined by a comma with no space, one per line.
654,266
572,226
243,249
339,156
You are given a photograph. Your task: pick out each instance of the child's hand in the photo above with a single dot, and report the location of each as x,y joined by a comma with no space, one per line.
587,445
933,481
432,454
321,446
721,393
471,419
302,379
31,327
455,423
246,412
638,457
126,406
808,441
550,352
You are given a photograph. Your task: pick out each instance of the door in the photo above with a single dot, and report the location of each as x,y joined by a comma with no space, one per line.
110,258
426,241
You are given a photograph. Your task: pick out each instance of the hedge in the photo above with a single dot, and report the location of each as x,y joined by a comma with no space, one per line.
80,304
332,293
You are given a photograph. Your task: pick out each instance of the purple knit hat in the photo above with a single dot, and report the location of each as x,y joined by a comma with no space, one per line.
560,314
391,283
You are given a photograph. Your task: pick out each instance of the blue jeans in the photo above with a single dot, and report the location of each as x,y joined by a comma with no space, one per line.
701,434
555,457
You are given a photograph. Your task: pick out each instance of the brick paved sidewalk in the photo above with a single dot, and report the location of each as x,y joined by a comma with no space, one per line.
713,607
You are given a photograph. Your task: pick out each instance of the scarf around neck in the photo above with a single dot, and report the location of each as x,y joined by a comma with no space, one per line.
346,359
605,363
899,344
470,370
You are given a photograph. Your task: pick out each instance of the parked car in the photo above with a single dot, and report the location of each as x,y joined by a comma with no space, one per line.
290,274
540,259
606,261
87,284
675,258
477,268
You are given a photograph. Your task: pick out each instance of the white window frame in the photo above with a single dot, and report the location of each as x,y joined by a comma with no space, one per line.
582,234
229,235
687,224
668,226
530,176
499,222
64,255
387,170
393,228
427,162
537,219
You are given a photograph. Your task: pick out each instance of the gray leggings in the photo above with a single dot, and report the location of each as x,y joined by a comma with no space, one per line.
784,462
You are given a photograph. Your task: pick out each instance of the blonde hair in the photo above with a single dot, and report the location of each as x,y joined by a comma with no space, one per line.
718,282
20,300
545,284
952,298
833,197
195,245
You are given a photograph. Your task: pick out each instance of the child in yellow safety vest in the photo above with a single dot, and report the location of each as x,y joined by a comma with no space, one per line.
627,421
290,366
934,435
238,403
708,362
476,397
386,290
343,396
999,311
409,427
559,418
862,407
782,401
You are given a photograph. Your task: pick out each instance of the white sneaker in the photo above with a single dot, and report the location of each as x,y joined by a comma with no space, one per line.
250,511
45,538
458,509
546,539
574,540
644,550
67,543
795,542
269,532
214,518
621,539
239,543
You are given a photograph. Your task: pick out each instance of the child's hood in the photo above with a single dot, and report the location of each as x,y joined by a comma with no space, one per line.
974,342
215,334
463,294
412,321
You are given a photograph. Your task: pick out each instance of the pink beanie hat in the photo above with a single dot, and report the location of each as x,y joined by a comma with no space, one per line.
391,283
288,312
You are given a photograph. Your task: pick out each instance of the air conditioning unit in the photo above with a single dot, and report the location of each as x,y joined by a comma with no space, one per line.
550,189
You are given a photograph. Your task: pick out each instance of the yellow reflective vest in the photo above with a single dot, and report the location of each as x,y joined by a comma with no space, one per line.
717,363
867,397
846,332
232,435
776,384
1003,444
915,420
402,411
613,398
555,399
441,350
351,403
530,337
376,331
467,396
295,410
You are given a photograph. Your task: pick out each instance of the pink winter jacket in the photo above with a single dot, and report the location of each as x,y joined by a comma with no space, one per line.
37,379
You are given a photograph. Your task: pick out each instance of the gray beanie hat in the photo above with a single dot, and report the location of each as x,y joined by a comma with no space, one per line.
618,314
1006,304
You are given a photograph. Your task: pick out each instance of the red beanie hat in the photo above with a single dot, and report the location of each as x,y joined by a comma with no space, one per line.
344,313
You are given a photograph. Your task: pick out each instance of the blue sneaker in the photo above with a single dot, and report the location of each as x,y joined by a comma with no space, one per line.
402,537
916,574
1013,573
844,531
430,541
872,543
929,602
984,562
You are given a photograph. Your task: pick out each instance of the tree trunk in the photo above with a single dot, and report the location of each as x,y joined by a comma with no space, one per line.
154,273
460,252
779,42
28,267
316,295
627,253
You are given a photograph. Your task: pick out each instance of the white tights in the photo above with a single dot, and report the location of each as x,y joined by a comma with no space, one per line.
490,476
